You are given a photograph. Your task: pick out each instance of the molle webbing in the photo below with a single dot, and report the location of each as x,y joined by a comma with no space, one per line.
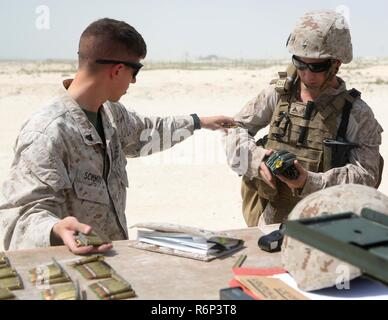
302,133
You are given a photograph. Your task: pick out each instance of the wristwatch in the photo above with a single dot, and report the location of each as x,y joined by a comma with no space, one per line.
197,121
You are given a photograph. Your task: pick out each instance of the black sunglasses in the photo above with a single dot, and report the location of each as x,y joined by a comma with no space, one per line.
134,65
313,67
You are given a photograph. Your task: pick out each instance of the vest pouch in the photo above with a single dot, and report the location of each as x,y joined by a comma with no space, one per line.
339,151
327,156
309,164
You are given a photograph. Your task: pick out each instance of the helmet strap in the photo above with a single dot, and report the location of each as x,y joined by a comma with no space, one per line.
331,73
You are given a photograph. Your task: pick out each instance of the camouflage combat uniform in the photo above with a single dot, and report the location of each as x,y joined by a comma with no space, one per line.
363,128
58,169
319,35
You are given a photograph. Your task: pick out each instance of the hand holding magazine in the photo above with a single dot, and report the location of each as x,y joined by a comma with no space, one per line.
184,241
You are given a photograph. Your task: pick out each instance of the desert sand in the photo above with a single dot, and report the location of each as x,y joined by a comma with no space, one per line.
190,184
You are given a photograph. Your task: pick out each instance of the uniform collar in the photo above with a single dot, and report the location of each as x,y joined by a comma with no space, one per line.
331,93
88,131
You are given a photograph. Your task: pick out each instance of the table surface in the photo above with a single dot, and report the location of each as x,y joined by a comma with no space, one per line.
152,275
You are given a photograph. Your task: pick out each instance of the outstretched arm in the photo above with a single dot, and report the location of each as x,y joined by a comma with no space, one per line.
142,135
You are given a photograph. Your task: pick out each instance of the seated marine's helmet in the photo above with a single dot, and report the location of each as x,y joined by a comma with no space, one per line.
311,268
321,35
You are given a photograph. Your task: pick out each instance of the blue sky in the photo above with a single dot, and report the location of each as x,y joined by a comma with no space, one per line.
174,29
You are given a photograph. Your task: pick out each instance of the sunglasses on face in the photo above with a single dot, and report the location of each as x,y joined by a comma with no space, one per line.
313,67
136,66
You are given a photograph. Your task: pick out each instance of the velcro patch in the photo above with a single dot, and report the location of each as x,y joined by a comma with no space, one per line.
297,109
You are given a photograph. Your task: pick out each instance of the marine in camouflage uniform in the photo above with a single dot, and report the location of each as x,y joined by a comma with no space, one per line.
319,37
65,166
58,169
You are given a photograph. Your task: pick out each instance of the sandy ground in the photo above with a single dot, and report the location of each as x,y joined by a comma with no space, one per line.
190,184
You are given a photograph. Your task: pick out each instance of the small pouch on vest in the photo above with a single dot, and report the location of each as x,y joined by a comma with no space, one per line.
115,288
285,81
327,157
50,274
339,152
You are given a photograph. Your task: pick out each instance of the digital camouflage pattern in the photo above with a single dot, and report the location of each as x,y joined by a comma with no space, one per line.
58,169
311,268
321,35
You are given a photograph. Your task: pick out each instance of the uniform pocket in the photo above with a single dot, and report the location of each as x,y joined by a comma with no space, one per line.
90,186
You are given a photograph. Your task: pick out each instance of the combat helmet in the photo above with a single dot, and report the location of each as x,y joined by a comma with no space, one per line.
311,268
321,34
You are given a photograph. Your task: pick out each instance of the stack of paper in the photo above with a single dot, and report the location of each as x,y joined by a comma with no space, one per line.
185,241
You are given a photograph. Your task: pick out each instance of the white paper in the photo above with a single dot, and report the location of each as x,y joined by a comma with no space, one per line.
178,246
187,242
359,289
182,241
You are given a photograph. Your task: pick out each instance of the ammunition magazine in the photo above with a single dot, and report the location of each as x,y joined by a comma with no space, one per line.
11,283
114,288
5,294
4,262
94,270
70,291
7,272
50,274
91,239
9,278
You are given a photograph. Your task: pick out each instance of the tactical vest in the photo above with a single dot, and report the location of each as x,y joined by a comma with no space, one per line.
302,129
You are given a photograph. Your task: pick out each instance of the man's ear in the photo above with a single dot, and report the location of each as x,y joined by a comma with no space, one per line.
338,64
115,70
